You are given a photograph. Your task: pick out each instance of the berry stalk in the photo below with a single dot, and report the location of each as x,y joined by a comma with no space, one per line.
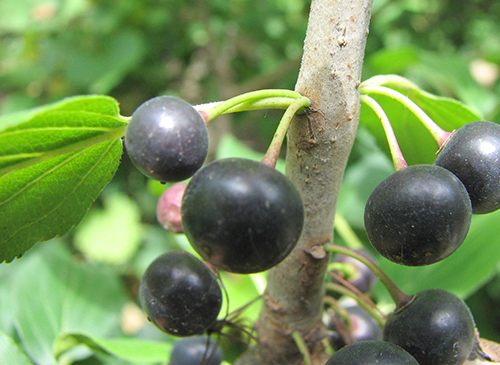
397,295
439,135
254,100
299,341
362,299
272,153
397,156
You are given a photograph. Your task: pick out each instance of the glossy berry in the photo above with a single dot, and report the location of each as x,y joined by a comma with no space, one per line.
473,154
363,327
167,139
196,350
418,216
179,294
168,209
436,327
361,277
242,216
372,353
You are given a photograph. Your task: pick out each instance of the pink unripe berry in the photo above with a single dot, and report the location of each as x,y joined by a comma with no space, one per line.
168,210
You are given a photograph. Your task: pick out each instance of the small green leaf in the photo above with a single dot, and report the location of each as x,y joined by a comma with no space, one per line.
10,353
415,141
112,234
54,294
133,350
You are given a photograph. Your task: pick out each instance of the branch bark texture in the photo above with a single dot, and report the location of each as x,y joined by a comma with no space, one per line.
319,144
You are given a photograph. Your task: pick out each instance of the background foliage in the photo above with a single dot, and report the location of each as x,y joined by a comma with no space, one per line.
76,296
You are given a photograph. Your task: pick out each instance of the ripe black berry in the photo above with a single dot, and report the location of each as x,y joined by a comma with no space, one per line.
362,277
418,215
167,139
372,353
196,350
436,327
241,215
179,294
473,154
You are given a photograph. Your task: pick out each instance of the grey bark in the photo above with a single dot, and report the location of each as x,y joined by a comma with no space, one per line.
318,147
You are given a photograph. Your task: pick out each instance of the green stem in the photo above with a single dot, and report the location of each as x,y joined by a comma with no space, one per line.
367,305
346,268
342,312
397,156
371,307
345,231
254,100
397,295
299,341
272,153
436,131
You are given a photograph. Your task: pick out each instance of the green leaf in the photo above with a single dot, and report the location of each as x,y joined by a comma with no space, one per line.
54,294
47,199
99,104
133,350
10,353
415,141
390,60
112,234
466,270
54,162
36,136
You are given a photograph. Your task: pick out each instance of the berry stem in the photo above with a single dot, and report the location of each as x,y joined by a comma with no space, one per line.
299,341
253,100
347,269
272,153
397,156
397,295
436,131
342,312
367,305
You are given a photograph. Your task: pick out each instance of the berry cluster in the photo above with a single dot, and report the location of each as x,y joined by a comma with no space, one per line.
239,215
431,327
243,216
421,214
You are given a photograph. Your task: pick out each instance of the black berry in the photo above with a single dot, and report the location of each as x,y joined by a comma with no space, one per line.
372,353
179,294
436,327
167,139
418,216
473,154
241,215
196,350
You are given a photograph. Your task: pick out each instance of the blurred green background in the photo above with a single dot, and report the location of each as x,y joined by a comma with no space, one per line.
208,50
